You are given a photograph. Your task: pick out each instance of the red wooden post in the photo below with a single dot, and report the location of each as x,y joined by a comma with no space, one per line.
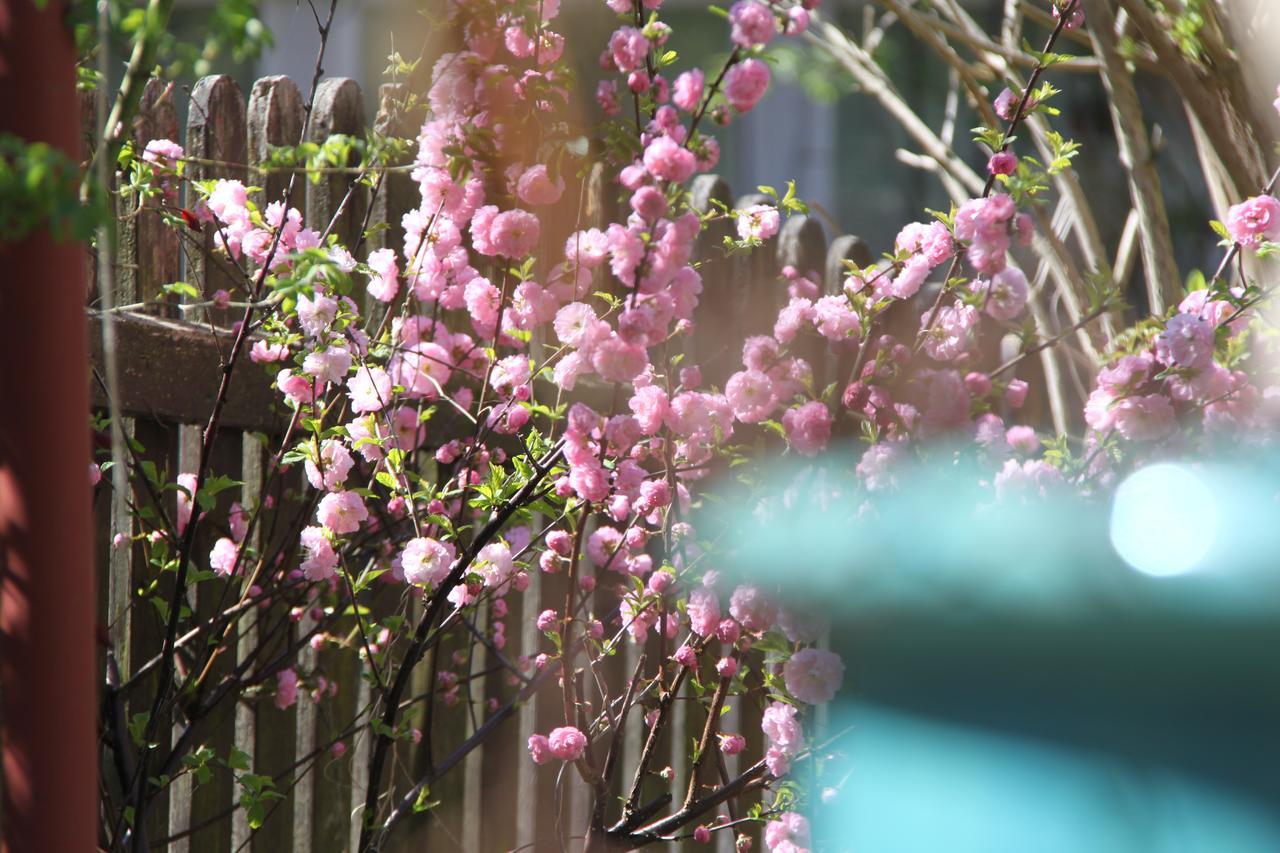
46,564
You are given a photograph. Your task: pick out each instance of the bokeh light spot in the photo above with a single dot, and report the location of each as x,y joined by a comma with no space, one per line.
1164,520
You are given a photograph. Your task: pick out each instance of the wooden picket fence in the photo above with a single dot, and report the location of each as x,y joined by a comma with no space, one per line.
168,374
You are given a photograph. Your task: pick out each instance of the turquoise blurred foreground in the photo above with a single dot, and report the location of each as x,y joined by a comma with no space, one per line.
1036,676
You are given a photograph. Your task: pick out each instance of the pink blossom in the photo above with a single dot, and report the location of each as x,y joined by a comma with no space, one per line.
618,360
1125,376
777,761
628,48
590,482
757,221
908,281
263,352
1031,478
426,562
780,725
286,688
1015,393
369,389
650,406
1006,294
1187,341
1006,104
732,744
797,21
513,233
686,93
535,186
751,395
649,203
316,313
703,610
932,240
792,318
813,675
222,559
1254,220
341,512
184,496
1023,439
728,631
1002,163
808,427
385,283
575,324
834,318
1143,418
745,83
238,521
163,153
330,471
788,834
567,743
727,667
752,608
951,335
667,160
320,559
540,749
753,23
328,365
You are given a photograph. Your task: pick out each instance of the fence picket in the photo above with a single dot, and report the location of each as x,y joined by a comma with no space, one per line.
337,199
216,145
150,251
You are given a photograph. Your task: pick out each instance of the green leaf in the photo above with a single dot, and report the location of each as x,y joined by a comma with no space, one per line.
238,760
138,727
181,288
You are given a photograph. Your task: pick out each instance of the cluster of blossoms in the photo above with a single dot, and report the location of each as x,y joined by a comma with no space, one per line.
463,308
474,314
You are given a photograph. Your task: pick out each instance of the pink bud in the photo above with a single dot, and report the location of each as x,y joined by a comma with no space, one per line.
685,656
977,384
727,667
1002,163
1015,393
702,835
727,631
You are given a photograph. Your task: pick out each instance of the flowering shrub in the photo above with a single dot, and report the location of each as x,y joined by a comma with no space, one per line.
581,438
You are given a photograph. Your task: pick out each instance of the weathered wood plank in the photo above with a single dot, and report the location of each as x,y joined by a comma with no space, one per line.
216,131
337,200
713,320
170,371
275,118
180,791
150,253
252,471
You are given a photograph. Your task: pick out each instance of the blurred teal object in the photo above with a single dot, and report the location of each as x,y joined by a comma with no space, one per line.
1016,685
